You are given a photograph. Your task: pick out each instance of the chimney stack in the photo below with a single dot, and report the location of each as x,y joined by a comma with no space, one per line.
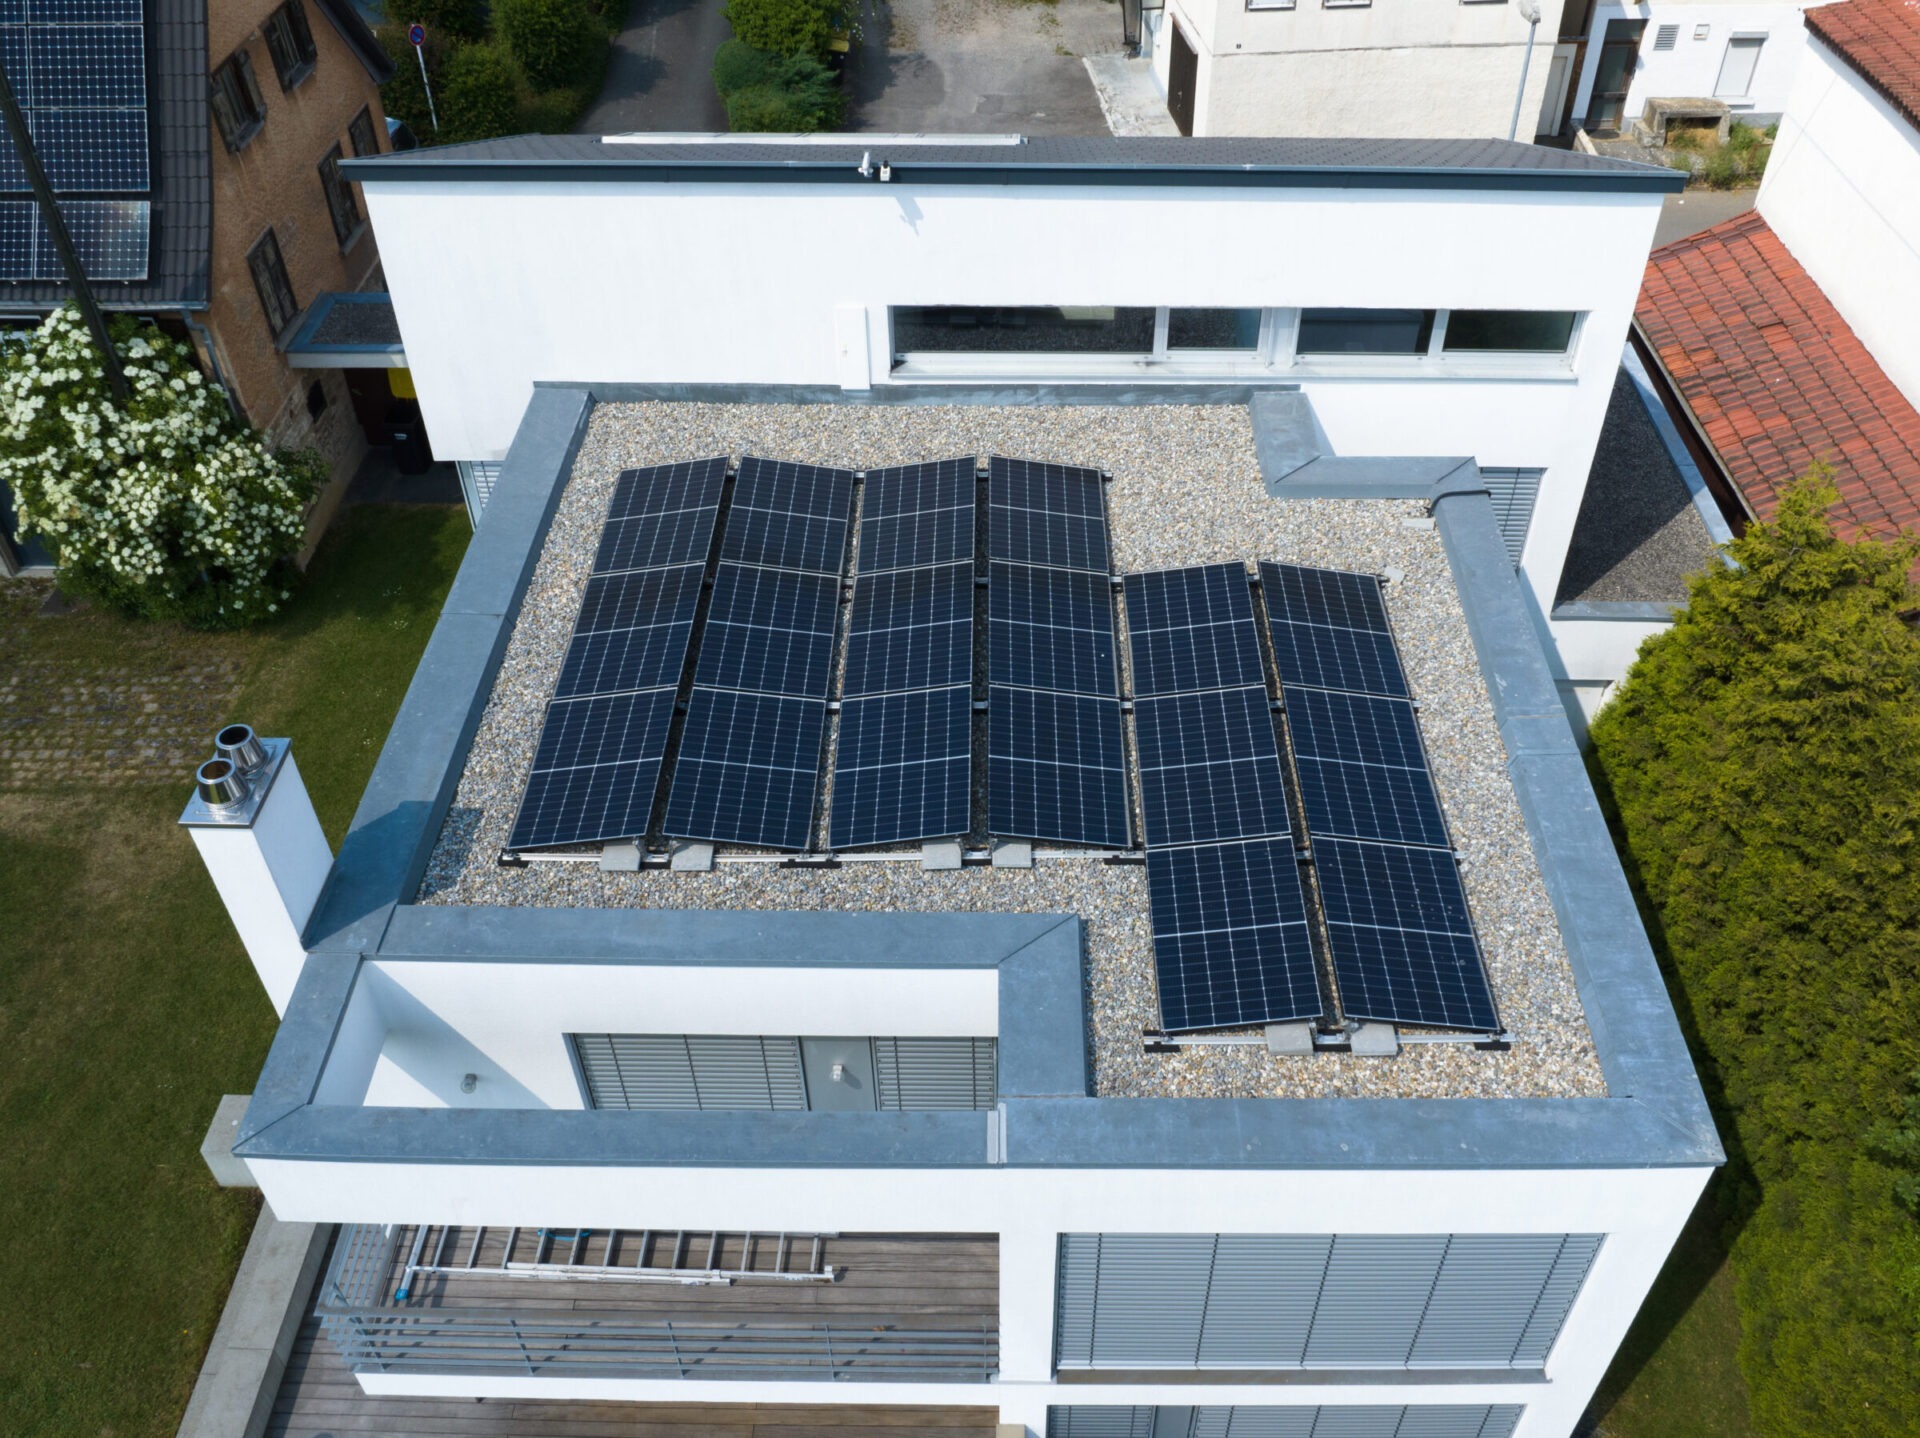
255,828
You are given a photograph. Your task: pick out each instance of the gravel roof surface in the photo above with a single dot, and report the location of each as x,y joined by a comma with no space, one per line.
1638,537
1186,491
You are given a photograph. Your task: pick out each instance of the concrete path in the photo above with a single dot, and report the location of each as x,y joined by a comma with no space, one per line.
659,77
979,66
1692,211
1129,95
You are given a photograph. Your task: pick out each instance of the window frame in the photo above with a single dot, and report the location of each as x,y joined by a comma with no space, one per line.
269,243
1757,39
342,208
287,28
364,118
233,79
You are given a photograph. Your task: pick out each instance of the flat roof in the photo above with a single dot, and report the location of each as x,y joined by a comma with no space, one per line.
1599,1077
1153,161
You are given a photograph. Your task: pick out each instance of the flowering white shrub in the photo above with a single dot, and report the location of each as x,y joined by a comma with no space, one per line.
168,508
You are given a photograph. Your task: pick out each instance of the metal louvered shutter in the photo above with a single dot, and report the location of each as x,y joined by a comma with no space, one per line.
1664,36
675,1071
1570,1271
1488,1285
1261,1301
1152,1299
1376,1288
740,1071
1361,1420
1245,1422
1513,492
1078,1286
637,1071
1449,1420
934,1073
1501,1420
1091,1420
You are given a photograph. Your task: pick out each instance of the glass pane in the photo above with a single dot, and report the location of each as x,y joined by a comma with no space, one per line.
1534,331
1031,329
1364,332
1213,329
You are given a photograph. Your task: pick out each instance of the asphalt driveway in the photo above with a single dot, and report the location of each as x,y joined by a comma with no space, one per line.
659,77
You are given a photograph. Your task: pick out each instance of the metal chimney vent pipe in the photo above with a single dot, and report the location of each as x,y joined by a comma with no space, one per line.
238,745
220,783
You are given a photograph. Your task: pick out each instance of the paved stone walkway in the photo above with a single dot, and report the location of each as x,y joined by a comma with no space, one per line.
133,724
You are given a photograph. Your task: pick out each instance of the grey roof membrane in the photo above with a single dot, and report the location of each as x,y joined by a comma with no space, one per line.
1105,160
182,175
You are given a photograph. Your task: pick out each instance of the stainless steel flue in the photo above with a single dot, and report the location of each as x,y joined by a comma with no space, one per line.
238,745
221,784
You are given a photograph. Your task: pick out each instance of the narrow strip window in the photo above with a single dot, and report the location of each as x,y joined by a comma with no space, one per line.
271,282
341,206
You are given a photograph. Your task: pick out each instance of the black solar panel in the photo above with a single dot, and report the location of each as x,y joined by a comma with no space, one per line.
596,770
96,67
1209,767
1056,768
903,767
85,150
1047,514
910,629
1363,772
632,632
1402,942
917,515
769,631
789,516
663,488
748,769
1192,629
1330,630
1230,938
73,12
651,541
1051,629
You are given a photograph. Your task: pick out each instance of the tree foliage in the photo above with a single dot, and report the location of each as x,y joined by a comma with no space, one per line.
552,39
784,27
1764,759
479,94
775,94
165,508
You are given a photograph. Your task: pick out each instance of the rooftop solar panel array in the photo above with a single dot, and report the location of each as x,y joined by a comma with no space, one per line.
1231,940
903,768
1056,749
597,768
78,70
748,769
1401,940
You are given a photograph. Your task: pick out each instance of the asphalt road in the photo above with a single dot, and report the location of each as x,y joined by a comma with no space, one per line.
659,75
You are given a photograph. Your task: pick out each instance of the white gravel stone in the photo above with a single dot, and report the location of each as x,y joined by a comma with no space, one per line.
1186,490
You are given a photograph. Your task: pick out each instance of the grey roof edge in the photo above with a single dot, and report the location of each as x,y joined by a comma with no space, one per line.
1297,459
393,830
1637,611
1118,391
346,19
1655,1117
1629,1013
1111,161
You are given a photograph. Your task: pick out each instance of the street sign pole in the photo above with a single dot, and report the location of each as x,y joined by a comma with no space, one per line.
417,36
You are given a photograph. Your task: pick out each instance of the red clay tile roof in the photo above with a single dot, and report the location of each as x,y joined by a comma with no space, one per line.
1880,39
1776,378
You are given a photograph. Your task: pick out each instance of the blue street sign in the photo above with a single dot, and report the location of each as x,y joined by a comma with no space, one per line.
417,35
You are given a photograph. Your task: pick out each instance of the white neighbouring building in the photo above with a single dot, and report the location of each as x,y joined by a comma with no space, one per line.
1351,67
934,1066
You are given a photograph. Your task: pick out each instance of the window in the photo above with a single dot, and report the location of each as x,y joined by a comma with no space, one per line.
1364,332
340,202
719,1072
1270,4
1213,329
1028,329
361,134
1509,331
270,280
290,43
1736,69
1267,1302
235,99
1372,1420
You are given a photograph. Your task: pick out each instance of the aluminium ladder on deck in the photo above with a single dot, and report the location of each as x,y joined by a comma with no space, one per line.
569,1253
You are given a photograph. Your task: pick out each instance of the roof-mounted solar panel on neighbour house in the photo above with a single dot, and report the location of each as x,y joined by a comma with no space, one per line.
79,73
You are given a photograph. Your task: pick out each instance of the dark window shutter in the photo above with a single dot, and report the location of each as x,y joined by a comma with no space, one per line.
220,98
360,133
301,34
341,207
243,67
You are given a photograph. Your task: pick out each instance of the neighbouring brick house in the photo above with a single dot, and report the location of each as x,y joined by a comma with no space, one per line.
206,140
1786,336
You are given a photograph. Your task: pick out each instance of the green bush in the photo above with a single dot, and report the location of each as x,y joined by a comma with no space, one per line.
446,19
1763,757
556,41
479,94
775,94
785,27
164,507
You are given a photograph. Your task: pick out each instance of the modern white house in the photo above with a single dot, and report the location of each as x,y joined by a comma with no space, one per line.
1632,51
987,1113
1353,67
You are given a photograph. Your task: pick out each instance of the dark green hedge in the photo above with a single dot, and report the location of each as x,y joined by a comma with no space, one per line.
1763,760
775,94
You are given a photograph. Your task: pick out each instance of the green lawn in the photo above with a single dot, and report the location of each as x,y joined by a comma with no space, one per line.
127,1006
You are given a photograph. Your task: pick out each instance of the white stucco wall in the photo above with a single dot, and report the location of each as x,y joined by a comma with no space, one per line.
1692,67
1405,71
1640,1212
606,283
1842,192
